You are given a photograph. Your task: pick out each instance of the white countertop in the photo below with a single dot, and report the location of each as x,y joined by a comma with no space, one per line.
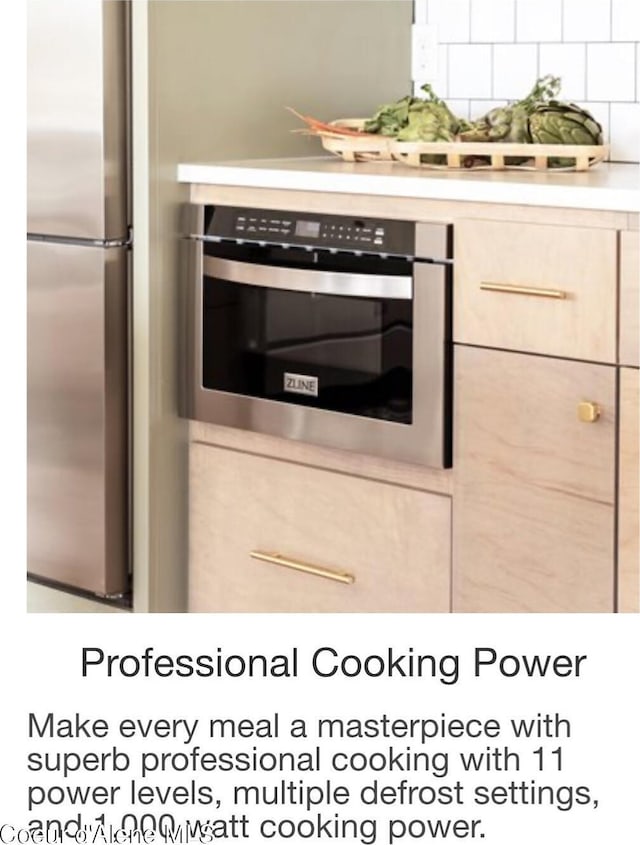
606,187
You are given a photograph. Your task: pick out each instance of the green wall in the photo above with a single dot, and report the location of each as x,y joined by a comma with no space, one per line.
241,62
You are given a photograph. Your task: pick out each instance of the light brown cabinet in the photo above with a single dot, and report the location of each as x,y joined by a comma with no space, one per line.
392,541
533,519
536,288
629,499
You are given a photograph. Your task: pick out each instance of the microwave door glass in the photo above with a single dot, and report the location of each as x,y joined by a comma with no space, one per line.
349,354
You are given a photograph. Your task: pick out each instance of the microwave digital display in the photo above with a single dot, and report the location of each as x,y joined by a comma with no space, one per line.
308,228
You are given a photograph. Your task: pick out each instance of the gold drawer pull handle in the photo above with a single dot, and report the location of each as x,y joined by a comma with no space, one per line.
301,566
546,293
589,412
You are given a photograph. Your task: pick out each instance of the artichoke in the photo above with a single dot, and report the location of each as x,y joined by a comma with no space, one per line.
564,123
556,122
510,124
390,118
429,126
417,119
429,120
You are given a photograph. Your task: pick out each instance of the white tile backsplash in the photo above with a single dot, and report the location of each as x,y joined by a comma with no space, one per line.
493,21
538,20
625,20
569,62
625,131
452,20
586,20
515,70
611,72
440,82
459,107
470,71
495,50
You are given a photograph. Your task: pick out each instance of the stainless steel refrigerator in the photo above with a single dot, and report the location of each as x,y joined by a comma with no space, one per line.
78,247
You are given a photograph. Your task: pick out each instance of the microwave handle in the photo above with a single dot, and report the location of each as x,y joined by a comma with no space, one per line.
308,281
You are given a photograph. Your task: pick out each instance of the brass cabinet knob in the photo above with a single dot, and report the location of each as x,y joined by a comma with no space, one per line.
589,412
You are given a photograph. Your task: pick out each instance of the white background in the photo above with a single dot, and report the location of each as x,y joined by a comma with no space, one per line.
42,671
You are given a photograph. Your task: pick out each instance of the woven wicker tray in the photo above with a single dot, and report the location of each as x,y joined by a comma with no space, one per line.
367,148
459,155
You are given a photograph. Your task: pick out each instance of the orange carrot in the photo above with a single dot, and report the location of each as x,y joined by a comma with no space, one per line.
320,128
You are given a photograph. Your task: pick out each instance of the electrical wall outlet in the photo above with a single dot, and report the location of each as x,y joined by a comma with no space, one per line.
424,53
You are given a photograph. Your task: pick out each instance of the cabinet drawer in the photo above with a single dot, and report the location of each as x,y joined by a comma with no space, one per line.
394,541
536,288
534,522
629,299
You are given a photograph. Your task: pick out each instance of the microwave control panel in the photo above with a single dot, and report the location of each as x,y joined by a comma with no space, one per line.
324,231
